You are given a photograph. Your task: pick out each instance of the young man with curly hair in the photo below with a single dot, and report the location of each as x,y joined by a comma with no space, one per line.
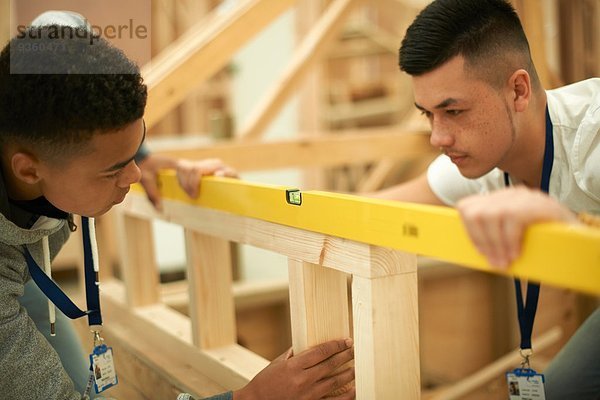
71,127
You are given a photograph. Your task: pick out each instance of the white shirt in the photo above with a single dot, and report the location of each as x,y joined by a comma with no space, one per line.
575,177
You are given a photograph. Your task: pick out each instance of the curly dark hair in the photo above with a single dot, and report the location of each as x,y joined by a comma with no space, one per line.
59,86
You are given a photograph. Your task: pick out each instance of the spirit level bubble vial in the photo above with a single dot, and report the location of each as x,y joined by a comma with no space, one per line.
293,197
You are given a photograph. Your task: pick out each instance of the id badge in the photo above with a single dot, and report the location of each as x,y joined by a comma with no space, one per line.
103,368
525,384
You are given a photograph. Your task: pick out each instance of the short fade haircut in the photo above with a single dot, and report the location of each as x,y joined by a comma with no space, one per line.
487,33
57,106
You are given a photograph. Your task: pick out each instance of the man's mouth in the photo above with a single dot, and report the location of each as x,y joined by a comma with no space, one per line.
457,158
120,199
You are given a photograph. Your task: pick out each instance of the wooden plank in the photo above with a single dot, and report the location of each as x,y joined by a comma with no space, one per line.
192,111
532,18
246,294
311,48
318,304
386,335
318,307
571,39
163,34
326,150
136,366
209,276
262,313
427,230
138,266
332,252
256,294
107,245
591,20
310,99
163,328
374,181
352,112
202,51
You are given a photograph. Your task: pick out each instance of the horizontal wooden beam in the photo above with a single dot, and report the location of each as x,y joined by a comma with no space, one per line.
317,248
246,294
553,253
325,150
201,52
164,328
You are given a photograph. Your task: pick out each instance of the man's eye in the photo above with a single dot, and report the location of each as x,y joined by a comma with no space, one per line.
453,112
426,113
114,175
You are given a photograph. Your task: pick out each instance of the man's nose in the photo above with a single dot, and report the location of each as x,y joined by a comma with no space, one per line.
131,175
440,136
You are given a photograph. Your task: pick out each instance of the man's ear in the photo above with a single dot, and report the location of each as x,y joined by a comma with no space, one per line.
519,84
25,167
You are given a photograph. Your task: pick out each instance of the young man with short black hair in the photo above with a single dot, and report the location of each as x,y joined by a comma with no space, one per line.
513,153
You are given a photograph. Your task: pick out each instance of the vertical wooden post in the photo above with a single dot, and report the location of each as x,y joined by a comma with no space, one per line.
571,39
532,17
318,304
193,111
163,34
107,245
211,299
310,96
386,333
139,269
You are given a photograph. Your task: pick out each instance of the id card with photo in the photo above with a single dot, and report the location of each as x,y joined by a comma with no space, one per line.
103,368
525,384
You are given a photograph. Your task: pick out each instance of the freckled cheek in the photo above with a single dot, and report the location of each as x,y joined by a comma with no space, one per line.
476,137
495,139
464,133
485,129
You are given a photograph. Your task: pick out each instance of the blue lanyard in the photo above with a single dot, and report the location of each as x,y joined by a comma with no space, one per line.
526,312
55,293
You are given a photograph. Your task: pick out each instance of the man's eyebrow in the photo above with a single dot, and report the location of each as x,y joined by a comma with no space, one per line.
122,164
449,101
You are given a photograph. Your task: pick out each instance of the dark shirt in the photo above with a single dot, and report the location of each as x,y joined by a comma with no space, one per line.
24,213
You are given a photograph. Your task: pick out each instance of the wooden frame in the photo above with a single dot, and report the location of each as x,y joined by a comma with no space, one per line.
378,278
384,290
